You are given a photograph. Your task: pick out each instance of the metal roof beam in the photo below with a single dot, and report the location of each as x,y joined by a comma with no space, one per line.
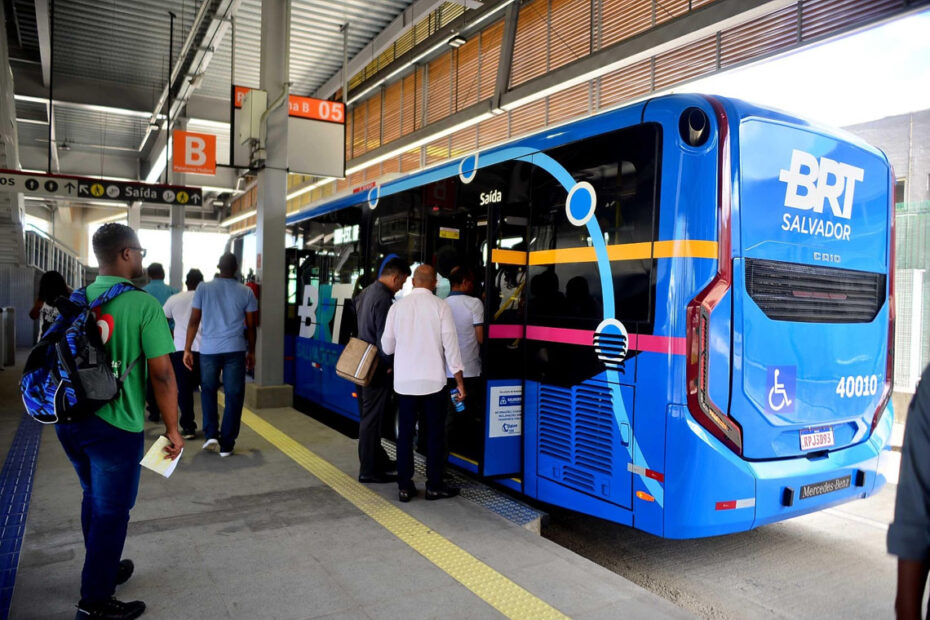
45,54
82,163
208,39
105,96
401,24
433,46
505,63
45,40
27,79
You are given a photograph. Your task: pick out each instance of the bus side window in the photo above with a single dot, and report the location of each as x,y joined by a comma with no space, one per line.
621,167
333,269
396,229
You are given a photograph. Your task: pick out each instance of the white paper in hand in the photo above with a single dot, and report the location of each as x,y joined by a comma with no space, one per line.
159,462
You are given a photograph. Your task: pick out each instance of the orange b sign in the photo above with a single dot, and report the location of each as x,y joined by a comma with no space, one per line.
194,152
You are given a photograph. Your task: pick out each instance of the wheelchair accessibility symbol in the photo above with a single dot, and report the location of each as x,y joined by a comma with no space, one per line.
780,388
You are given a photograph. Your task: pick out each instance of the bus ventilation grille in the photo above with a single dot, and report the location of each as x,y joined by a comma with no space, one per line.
809,294
577,434
611,349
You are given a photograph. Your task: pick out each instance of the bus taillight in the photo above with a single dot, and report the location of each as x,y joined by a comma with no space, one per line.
700,404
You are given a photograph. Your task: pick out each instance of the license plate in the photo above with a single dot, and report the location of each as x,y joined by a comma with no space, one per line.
816,438
828,486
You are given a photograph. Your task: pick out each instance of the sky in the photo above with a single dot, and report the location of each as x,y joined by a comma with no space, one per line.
876,73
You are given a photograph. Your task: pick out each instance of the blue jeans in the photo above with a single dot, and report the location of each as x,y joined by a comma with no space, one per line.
107,463
431,411
232,366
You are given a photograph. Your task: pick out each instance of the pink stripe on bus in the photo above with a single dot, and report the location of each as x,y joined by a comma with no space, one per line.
584,337
560,334
505,331
658,344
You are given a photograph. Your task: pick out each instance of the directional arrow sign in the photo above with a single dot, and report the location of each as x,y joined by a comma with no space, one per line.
61,186
38,184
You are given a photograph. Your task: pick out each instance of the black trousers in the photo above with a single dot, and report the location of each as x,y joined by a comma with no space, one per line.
431,411
464,430
373,401
150,402
188,381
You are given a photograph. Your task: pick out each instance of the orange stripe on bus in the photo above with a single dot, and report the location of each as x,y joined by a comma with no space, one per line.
686,248
567,255
629,251
680,248
508,257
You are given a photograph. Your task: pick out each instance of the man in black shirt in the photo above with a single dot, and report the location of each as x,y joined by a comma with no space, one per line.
372,306
908,534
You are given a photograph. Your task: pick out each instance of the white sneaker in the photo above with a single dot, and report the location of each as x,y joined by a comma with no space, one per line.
225,454
211,444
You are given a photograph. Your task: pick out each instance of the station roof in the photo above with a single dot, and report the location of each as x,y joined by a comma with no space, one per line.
108,61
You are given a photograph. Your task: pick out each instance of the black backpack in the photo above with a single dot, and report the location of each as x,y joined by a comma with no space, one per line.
68,374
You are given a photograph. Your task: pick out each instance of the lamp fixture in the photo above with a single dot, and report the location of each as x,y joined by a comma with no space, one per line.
457,41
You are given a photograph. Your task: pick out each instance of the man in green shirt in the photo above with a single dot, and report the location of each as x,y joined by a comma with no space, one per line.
106,448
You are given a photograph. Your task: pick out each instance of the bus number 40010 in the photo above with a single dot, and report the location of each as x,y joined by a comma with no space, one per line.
851,387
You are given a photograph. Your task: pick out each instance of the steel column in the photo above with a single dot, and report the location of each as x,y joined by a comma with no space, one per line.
176,275
272,196
506,56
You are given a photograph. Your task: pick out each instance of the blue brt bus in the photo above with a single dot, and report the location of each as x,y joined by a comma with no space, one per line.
689,310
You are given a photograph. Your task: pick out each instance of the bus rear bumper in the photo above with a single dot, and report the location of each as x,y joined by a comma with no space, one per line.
799,486
735,495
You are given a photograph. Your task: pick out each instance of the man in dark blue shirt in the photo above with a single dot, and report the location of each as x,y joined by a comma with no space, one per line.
909,534
160,291
371,306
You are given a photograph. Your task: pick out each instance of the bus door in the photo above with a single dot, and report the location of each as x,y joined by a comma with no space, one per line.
579,372
450,232
503,190
298,264
455,232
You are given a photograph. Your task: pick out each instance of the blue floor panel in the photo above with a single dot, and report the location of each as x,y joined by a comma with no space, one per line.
15,490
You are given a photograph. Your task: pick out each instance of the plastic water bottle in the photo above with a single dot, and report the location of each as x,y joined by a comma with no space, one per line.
458,404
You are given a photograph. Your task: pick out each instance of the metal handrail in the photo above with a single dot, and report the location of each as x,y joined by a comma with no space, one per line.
33,228
46,253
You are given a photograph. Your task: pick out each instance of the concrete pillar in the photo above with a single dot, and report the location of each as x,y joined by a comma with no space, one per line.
176,274
135,216
269,389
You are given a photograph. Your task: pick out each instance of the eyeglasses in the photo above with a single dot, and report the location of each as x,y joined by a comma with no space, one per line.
142,251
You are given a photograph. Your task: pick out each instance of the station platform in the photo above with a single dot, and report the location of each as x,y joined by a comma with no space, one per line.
282,529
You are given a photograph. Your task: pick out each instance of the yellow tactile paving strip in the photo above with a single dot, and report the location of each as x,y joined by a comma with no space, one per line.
494,588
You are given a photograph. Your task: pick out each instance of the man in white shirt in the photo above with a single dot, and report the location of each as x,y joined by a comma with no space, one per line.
178,307
468,314
420,333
